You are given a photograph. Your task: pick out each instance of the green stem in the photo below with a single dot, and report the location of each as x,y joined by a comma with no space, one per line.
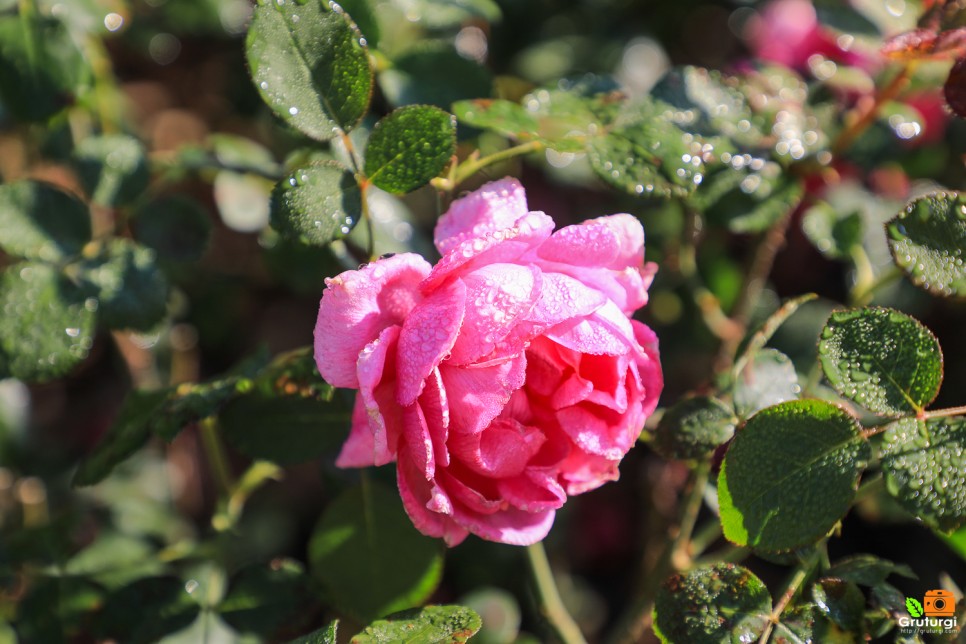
681,553
551,604
704,537
28,20
471,166
367,217
803,570
254,477
217,458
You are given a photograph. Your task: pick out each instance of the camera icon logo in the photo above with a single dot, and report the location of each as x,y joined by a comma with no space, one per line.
939,603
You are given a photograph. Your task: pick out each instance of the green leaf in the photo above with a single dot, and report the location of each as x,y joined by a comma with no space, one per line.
146,610
693,428
440,14
713,604
176,227
409,147
325,635
112,168
317,204
499,115
115,559
768,379
790,474
131,291
884,360
799,625
927,241
363,15
868,570
129,433
956,541
709,103
309,65
354,553
914,607
285,429
834,234
562,119
759,201
841,601
47,326
263,598
429,625
633,157
923,462
41,68
39,221
435,74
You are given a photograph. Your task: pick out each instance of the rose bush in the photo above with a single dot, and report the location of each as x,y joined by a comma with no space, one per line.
504,378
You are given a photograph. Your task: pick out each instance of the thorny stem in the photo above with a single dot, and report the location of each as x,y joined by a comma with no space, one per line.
677,555
472,165
803,570
761,265
714,317
867,114
549,597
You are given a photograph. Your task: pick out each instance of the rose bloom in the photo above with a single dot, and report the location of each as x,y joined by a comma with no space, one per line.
504,378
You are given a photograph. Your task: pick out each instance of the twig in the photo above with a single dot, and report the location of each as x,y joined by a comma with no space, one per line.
803,570
752,288
868,114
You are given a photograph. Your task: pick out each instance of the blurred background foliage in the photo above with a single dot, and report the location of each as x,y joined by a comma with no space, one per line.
144,110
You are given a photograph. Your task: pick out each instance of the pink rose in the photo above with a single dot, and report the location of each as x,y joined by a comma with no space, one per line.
504,378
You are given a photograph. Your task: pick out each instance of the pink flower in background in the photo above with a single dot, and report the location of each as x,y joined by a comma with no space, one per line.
504,378
788,32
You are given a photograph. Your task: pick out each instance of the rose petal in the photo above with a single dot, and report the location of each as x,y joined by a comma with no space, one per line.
357,305
359,449
511,526
533,491
459,489
419,444
582,472
500,246
501,450
602,431
376,360
498,296
436,412
605,254
605,331
427,335
649,366
495,206
416,494
477,395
